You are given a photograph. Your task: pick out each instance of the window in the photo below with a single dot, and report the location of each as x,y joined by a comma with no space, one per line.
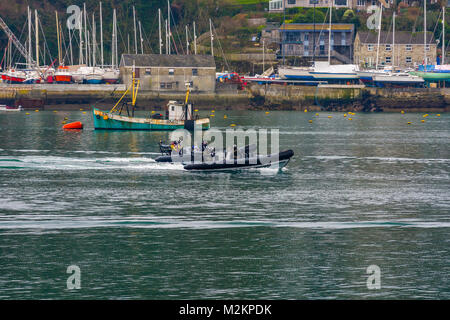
195,72
275,5
427,47
388,47
162,85
388,60
291,1
340,2
361,3
171,72
408,60
313,1
322,50
168,85
370,47
408,47
148,72
343,39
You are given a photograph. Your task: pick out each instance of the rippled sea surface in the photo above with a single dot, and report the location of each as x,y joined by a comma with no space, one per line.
371,191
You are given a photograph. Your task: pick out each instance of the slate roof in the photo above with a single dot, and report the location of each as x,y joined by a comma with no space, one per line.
401,37
169,61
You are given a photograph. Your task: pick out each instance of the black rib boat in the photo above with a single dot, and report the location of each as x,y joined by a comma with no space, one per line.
270,161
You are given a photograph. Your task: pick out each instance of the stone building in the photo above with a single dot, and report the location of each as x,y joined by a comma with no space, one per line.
408,51
277,5
170,73
298,40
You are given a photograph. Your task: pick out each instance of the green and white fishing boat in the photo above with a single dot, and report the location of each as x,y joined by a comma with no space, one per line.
177,115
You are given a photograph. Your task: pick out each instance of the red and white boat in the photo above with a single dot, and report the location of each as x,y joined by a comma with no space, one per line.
15,76
63,75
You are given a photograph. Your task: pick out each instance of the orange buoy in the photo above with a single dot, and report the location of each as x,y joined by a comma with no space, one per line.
73,125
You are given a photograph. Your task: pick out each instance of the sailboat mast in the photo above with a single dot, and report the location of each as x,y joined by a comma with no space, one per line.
81,38
94,40
59,42
379,34
187,41
329,34
425,32
142,39
86,43
70,47
29,38
37,36
393,40
443,35
195,40
101,34
135,34
168,22
212,37
159,24
167,38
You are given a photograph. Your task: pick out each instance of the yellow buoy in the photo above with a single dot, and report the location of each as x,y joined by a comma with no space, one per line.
422,121
105,117
409,122
64,122
438,115
27,113
84,112
306,110
330,117
310,121
345,114
267,112
81,109
232,125
65,118
425,115
211,115
317,114
196,110
225,117
213,111
350,119
153,111
36,110
402,112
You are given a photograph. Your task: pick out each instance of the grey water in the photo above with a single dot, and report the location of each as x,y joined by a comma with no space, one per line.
371,191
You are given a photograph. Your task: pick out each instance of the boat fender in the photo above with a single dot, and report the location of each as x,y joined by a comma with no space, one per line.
105,117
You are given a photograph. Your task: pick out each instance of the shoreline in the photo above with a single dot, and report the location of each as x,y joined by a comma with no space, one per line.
254,97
